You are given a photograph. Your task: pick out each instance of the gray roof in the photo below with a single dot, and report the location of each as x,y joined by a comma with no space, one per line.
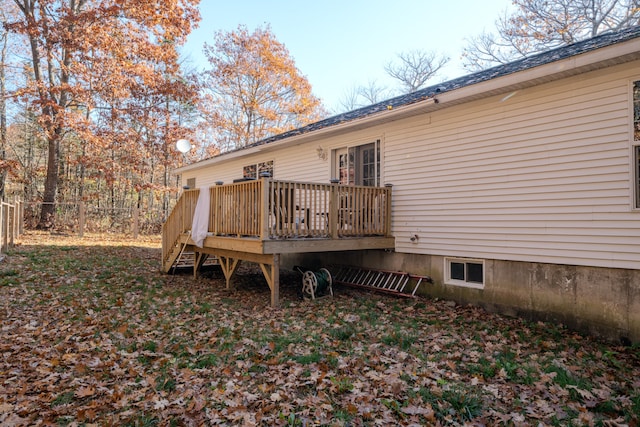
600,41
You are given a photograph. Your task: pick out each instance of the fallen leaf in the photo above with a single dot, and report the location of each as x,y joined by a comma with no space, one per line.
85,392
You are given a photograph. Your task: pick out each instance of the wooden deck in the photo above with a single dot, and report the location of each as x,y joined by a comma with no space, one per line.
259,220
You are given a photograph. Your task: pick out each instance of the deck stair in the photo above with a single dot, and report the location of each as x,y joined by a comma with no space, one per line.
187,259
171,257
182,256
394,282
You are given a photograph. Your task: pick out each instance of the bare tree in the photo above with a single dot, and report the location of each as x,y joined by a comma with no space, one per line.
372,92
413,71
350,99
363,95
415,68
539,25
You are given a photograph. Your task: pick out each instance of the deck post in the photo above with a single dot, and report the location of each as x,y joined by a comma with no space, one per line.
273,278
333,211
214,208
229,266
198,261
387,220
264,208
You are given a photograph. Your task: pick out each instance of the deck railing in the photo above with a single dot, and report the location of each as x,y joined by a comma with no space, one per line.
179,221
273,209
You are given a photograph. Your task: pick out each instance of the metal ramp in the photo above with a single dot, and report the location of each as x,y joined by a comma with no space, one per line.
394,282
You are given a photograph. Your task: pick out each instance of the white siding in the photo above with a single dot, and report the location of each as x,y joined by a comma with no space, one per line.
541,176
298,163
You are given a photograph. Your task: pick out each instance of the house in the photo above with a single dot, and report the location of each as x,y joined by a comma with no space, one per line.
515,188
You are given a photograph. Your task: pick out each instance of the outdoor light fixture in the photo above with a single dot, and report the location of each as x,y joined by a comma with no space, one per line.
322,153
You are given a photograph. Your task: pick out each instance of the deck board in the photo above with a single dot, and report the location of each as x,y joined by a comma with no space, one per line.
293,245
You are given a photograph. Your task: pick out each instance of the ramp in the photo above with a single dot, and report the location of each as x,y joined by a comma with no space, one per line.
394,282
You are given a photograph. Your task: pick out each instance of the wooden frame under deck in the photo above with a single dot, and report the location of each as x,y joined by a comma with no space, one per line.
259,220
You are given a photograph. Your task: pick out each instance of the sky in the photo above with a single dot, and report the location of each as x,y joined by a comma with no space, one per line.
340,44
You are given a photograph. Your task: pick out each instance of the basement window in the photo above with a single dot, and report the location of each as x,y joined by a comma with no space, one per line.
464,272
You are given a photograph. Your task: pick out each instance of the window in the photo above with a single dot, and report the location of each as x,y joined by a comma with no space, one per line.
257,170
636,144
359,165
464,272
191,183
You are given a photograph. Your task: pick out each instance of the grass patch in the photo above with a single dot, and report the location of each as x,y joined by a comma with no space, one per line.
459,403
9,273
150,346
342,333
206,361
9,277
308,359
403,340
165,382
564,378
466,403
143,420
507,364
63,399
342,384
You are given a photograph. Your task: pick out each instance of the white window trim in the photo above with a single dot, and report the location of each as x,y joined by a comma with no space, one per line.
635,191
379,140
257,166
635,177
463,283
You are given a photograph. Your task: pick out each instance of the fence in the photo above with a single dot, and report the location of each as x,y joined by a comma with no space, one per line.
80,217
11,223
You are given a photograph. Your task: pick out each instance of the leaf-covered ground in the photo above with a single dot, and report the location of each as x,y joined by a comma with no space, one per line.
93,334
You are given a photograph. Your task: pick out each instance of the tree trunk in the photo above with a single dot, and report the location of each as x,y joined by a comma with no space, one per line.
47,213
3,113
